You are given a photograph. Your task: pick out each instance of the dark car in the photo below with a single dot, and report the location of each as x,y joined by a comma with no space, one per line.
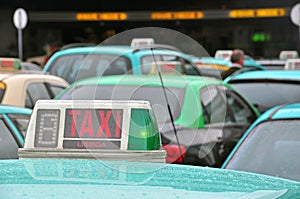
209,116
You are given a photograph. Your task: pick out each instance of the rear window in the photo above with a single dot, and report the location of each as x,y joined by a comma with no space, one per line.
80,66
154,95
268,94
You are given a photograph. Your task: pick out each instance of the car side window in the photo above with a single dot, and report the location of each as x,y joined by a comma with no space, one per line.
186,68
35,91
8,144
148,62
20,121
55,89
213,105
242,113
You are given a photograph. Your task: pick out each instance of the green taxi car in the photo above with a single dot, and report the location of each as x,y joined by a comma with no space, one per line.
209,115
82,178
82,62
13,126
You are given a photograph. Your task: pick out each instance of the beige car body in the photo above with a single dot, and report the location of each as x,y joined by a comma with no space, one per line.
17,84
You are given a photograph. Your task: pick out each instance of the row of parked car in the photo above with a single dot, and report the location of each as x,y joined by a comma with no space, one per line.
201,120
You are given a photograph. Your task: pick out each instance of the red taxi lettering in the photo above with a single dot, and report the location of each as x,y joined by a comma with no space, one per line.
7,64
90,124
87,125
118,122
104,124
74,114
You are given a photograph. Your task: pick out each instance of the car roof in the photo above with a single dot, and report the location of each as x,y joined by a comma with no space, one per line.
29,76
87,178
96,49
266,74
116,50
6,109
153,80
285,111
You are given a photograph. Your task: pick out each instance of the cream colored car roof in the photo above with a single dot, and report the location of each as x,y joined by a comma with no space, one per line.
16,84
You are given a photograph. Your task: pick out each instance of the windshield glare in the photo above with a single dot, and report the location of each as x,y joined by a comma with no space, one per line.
271,148
80,66
267,94
153,94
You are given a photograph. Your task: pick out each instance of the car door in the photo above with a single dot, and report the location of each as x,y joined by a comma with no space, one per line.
226,111
9,143
41,90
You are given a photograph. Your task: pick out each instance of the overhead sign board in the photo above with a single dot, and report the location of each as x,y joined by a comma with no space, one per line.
295,14
20,18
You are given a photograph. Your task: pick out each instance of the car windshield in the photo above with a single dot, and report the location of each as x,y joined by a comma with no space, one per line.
265,95
80,66
20,121
271,148
154,95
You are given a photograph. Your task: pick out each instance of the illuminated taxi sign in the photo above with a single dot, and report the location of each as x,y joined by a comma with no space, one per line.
288,54
10,63
271,12
93,128
108,16
101,129
264,12
242,13
184,15
292,64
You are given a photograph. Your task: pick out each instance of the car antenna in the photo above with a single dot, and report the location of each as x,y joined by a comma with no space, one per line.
168,104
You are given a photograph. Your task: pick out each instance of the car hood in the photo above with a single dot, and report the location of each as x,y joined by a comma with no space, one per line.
81,178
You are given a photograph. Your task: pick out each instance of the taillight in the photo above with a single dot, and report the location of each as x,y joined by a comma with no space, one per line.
173,153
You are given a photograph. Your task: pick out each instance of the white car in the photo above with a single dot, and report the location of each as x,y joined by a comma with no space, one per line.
20,89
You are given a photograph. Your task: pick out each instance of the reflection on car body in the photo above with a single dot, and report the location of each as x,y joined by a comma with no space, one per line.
266,89
270,146
209,115
74,178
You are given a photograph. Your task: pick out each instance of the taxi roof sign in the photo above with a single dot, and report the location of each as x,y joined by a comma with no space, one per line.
97,129
141,42
223,54
7,63
288,54
292,64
